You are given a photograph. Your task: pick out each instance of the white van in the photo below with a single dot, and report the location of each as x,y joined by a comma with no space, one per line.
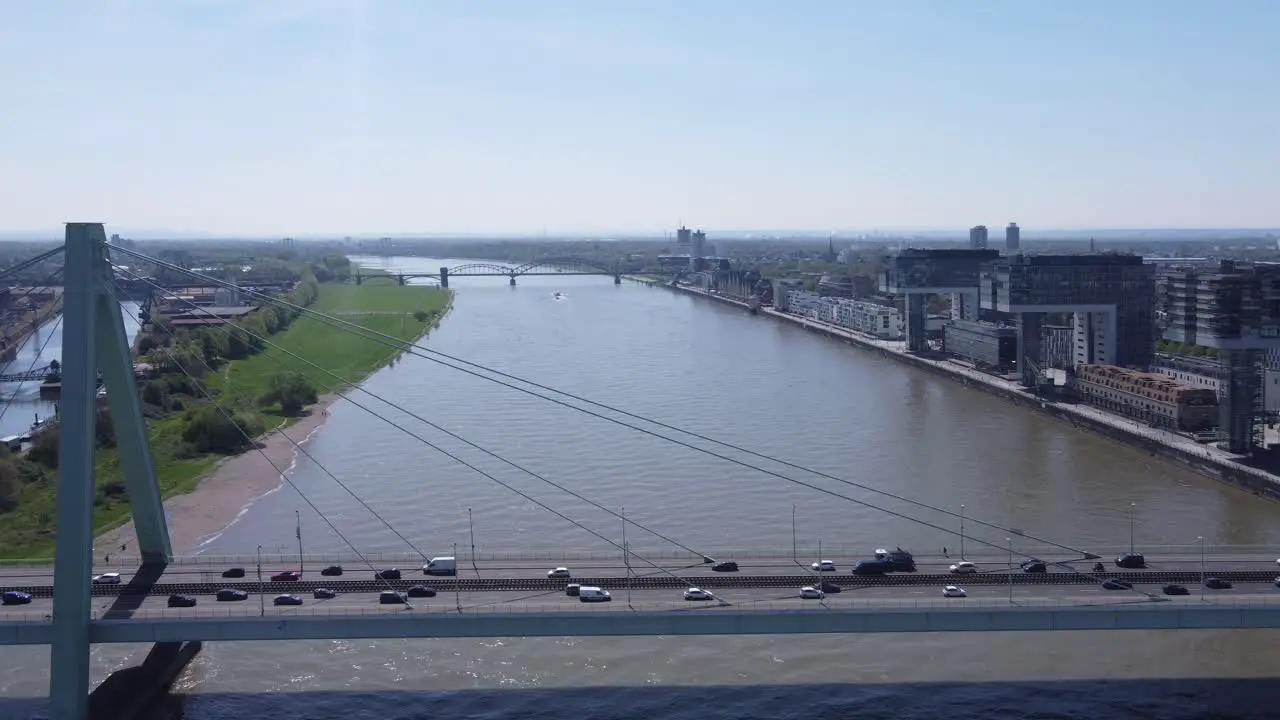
441,566
593,594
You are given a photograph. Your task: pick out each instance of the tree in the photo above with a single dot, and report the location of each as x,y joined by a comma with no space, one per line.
213,429
10,483
291,390
44,449
104,429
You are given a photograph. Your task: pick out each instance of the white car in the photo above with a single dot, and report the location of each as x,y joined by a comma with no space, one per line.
953,591
824,566
107,579
696,594
558,573
964,568
811,593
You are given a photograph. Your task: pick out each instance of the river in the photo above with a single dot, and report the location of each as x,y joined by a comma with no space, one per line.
23,403
761,384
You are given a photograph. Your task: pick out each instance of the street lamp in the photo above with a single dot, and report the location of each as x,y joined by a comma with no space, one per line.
262,598
794,555
1201,541
1010,541
1133,507
962,533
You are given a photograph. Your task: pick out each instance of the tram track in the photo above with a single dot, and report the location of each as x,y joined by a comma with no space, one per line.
643,582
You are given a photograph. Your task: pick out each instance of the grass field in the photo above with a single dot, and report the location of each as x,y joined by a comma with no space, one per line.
27,532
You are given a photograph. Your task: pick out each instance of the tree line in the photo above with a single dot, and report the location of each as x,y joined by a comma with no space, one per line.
178,392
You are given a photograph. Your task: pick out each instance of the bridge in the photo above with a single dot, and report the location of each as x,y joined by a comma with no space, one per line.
544,266
61,606
30,375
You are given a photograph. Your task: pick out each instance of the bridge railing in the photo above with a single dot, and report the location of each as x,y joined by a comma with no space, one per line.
443,604
280,555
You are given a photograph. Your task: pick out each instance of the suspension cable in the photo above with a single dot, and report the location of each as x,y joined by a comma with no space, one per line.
420,351
627,552
250,440
429,423
299,448
30,262
39,352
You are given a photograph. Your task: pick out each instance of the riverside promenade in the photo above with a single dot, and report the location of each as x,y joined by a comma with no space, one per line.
1204,459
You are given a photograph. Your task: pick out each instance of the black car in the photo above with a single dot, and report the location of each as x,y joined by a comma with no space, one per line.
181,601
1114,584
1131,561
1175,590
229,595
14,597
726,566
420,591
287,600
323,594
332,571
1217,584
233,573
873,567
392,574
1034,567
391,597
830,588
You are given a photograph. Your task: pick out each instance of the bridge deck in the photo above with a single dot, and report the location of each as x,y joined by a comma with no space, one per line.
663,613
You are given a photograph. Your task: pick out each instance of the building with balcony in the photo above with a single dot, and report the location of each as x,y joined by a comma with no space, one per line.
1153,398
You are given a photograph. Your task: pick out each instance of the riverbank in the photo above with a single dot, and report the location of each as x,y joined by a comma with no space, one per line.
1203,459
221,496
205,491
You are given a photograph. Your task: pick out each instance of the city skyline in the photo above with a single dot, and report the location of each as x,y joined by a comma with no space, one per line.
274,118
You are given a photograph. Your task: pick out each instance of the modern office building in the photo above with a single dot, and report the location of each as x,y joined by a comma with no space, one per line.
1012,237
978,237
916,274
1235,309
989,346
1111,299
1059,346
684,236
1152,398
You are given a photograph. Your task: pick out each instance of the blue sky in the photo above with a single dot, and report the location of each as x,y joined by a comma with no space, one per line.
275,117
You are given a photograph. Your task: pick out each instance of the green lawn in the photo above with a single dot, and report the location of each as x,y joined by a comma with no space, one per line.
27,531
383,308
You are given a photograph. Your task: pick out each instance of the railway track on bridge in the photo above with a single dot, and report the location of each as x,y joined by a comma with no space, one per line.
711,582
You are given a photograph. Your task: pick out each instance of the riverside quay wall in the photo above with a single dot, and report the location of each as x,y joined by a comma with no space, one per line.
1206,460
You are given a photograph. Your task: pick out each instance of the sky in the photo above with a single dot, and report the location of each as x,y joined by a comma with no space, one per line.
304,117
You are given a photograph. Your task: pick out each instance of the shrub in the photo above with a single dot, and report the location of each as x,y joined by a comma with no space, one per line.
211,429
45,448
291,390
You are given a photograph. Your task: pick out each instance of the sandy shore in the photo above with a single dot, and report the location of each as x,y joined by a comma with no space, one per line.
223,493
237,481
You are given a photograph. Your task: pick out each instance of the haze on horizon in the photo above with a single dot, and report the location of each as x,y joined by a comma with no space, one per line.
297,117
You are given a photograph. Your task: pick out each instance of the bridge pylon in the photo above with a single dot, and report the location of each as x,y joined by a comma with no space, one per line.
90,312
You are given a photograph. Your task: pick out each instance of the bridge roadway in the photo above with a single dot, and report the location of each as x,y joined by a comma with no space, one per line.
668,600
530,576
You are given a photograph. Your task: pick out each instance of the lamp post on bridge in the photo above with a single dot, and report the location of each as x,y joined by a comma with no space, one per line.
1133,507
262,601
1201,541
1010,541
962,532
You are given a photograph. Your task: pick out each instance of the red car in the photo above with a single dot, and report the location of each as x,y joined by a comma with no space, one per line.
287,576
